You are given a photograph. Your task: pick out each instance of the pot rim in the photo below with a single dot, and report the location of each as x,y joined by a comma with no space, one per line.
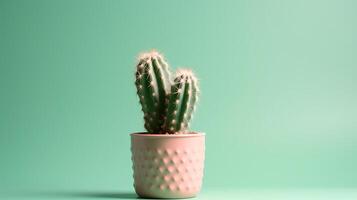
150,135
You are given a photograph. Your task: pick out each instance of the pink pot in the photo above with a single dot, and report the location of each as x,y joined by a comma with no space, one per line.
168,166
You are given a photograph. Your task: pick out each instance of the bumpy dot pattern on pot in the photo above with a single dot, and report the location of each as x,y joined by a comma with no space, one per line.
168,170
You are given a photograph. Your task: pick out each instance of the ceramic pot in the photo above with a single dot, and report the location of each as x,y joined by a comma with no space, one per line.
168,166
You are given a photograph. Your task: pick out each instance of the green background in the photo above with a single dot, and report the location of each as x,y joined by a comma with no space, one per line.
278,82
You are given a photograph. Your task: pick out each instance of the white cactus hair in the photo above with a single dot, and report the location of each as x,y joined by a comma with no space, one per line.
183,71
149,54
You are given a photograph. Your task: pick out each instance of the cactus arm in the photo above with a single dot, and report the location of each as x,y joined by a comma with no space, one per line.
163,85
153,83
166,72
194,98
153,116
172,108
144,90
181,102
186,97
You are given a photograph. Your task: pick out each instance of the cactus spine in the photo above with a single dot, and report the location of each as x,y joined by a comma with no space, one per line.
167,106
153,86
181,102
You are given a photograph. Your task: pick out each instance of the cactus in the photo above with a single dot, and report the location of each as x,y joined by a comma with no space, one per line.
153,86
167,106
181,102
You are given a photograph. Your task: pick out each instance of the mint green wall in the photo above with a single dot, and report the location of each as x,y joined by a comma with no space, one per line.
278,81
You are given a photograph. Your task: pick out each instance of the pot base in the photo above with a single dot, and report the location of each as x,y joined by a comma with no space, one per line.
157,195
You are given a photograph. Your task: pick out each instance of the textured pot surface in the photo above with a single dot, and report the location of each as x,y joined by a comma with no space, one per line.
168,166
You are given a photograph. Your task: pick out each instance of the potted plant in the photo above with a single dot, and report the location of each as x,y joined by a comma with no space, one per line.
168,159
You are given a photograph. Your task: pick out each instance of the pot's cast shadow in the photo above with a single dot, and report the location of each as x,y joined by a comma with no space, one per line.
81,195
98,195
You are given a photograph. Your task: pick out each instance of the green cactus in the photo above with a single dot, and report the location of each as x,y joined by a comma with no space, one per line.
153,86
181,102
167,106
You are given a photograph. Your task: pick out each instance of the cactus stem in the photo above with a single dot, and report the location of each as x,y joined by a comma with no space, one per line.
153,83
167,106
